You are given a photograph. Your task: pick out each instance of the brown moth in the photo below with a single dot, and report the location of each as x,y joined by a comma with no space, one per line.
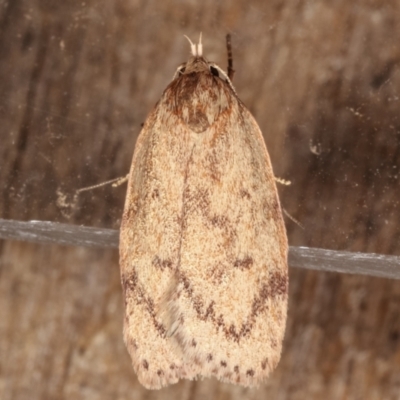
203,247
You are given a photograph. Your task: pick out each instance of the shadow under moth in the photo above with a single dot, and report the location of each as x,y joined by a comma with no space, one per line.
203,247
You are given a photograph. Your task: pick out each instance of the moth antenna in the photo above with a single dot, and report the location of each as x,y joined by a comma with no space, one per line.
200,46
231,71
192,46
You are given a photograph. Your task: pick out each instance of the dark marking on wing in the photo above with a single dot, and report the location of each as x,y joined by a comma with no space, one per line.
244,263
220,221
264,364
133,344
244,194
276,286
132,290
157,262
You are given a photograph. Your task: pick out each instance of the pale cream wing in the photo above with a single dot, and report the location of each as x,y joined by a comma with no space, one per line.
229,307
149,247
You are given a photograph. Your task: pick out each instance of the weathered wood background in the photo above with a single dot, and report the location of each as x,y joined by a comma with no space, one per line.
77,79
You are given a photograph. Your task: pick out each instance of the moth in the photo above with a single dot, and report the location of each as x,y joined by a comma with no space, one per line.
203,247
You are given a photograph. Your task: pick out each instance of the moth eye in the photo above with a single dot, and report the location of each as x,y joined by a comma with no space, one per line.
214,71
181,70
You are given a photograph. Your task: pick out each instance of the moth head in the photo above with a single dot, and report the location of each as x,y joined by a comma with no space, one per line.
197,63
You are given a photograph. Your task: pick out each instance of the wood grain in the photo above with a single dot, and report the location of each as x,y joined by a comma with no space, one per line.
77,79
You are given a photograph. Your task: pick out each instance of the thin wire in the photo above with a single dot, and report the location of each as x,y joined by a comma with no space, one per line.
44,232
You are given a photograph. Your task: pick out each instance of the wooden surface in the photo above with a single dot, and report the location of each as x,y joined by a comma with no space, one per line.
77,79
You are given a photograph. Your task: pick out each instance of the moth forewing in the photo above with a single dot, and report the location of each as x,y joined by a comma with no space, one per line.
203,245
